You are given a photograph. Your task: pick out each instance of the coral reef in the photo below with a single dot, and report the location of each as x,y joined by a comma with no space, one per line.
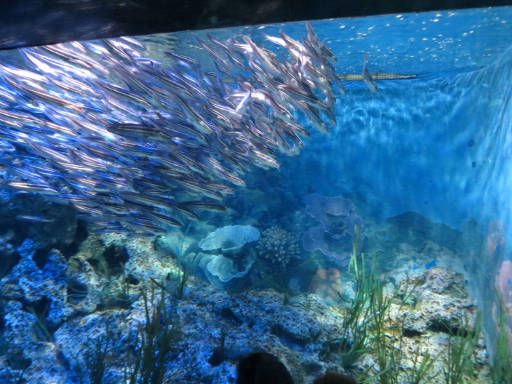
221,270
49,225
414,229
174,243
225,256
331,211
230,238
326,283
35,296
278,246
65,308
333,233
441,304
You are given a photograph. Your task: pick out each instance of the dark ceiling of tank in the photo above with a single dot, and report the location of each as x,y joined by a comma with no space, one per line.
37,22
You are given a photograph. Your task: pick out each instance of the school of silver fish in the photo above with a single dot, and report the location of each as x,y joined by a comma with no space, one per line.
141,145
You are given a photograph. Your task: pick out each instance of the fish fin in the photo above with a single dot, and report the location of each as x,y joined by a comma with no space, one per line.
367,77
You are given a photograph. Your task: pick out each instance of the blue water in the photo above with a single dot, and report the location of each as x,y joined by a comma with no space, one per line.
423,144
426,144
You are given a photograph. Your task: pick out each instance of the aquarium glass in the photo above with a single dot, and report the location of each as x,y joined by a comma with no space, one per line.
335,193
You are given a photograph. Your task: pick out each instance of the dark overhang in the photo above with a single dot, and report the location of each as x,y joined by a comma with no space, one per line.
37,22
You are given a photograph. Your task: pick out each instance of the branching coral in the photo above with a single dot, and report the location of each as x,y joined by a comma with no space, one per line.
278,246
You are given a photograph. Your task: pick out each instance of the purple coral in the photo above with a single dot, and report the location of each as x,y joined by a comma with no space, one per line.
333,236
332,212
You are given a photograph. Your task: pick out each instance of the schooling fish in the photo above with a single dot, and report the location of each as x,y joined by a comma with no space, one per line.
38,219
111,130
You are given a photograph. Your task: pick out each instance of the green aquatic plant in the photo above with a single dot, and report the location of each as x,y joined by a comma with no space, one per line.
353,341
407,294
156,339
377,330
116,294
371,307
39,309
365,320
176,288
96,360
367,327
422,371
459,356
501,371
388,357
182,283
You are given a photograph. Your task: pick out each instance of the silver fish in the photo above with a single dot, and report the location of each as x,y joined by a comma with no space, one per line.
33,218
111,130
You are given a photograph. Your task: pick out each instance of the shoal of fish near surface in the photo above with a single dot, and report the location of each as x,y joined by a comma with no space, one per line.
141,145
